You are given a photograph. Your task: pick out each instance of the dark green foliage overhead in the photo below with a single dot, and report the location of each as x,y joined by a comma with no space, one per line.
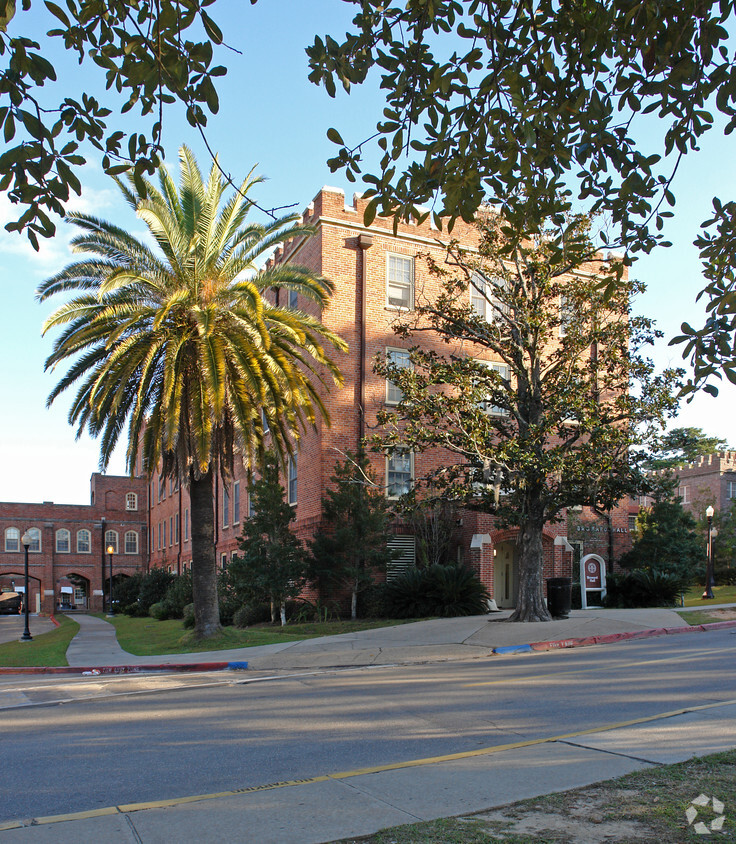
149,55
666,540
533,106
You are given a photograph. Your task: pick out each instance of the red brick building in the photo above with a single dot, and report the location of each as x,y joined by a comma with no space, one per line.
67,560
378,275
709,480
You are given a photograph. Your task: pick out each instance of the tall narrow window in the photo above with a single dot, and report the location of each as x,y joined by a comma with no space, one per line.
131,542
131,501
400,281
567,314
35,534
111,541
164,545
159,536
503,370
293,300
730,489
186,524
292,479
171,530
399,472
12,539
176,528
487,297
63,541
399,358
225,506
236,503
84,542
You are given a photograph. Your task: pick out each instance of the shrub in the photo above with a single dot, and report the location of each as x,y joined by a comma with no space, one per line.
251,614
372,601
188,615
644,588
126,592
437,590
158,611
154,586
178,595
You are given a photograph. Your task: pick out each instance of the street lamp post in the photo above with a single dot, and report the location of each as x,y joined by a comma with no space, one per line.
110,611
708,593
27,539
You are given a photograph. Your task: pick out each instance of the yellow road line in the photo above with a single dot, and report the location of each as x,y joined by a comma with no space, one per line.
612,667
359,772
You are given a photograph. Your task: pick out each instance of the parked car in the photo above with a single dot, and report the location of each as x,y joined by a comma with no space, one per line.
10,603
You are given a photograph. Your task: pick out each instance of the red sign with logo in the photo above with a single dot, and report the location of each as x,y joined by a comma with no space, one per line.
593,579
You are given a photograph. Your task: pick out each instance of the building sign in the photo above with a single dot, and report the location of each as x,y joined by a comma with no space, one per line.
592,579
593,573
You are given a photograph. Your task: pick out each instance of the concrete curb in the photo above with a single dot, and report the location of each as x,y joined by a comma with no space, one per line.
126,669
612,637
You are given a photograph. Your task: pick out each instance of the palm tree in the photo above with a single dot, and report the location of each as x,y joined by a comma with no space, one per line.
180,343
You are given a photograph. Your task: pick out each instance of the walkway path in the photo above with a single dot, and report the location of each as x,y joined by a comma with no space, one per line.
452,638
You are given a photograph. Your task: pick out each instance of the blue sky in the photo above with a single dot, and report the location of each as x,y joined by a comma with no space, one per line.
272,117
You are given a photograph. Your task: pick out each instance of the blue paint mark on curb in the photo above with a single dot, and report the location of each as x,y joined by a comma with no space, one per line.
237,666
514,649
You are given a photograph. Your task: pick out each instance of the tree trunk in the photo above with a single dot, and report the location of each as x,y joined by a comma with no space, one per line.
530,604
354,602
283,613
204,559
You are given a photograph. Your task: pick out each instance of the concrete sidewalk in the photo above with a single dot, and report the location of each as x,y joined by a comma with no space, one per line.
452,638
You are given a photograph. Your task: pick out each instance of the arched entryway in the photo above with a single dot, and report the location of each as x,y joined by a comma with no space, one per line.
74,593
15,582
505,573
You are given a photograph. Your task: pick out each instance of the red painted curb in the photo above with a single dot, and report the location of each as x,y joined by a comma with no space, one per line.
116,669
645,634
691,628
718,625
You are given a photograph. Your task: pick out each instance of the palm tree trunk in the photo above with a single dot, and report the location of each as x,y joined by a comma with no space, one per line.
204,559
530,604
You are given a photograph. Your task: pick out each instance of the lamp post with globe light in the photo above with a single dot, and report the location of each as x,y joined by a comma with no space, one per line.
27,541
110,611
708,593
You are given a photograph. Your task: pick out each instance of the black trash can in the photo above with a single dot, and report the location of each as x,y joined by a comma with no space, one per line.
559,596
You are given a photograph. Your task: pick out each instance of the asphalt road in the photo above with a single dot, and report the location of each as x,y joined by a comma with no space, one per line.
172,737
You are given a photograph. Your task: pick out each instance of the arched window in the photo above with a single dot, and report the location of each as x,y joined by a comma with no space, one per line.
84,542
111,541
35,546
131,542
131,501
63,541
12,539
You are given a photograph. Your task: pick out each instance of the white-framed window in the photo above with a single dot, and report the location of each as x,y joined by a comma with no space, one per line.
251,508
264,421
111,541
236,502
567,314
35,546
176,528
293,300
684,493
164,545
503,370
186,524
159,536
399,281
485,299
632,522
399,358
731,489
292,479
223,561
161,488
399,472
84,541
131,501
12,539
171,530
131,542
63,541
225,506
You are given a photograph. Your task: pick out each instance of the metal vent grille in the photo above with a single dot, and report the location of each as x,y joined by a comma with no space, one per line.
404,548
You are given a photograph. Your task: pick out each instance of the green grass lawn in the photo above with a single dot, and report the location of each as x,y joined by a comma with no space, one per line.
47,649
146,636
721,595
